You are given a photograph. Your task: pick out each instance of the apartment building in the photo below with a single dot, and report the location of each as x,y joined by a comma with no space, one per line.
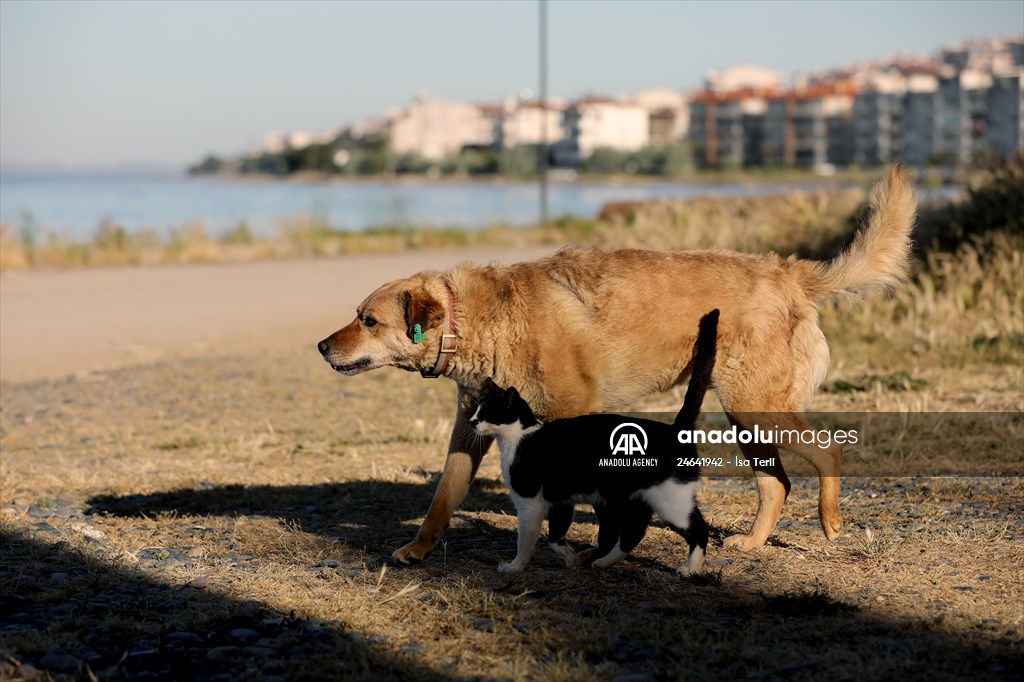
727,121
962,115
531,123
435,129
878,125
275,142
728,129
984,54
921,125
668,115
595,122
1005,103
809,127
744,76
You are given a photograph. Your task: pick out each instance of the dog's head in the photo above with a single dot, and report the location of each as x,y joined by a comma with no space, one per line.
383,333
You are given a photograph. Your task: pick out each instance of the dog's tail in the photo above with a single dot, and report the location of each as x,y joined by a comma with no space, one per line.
703,364
878,255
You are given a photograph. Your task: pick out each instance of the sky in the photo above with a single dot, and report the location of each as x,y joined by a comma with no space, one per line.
103,84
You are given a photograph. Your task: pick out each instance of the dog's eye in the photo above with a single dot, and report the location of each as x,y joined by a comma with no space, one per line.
369,322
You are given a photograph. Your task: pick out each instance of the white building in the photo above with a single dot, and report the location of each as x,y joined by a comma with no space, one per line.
276,142
531,123
668,114
744,76
596,122
435,129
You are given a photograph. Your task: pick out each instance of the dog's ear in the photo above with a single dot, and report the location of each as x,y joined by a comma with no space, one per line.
421,309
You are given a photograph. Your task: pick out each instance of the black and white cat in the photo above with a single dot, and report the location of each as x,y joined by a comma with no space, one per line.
625,491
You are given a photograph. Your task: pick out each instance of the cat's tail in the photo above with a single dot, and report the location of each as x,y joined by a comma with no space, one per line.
703,364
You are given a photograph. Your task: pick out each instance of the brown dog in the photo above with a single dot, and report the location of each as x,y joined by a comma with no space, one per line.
585,331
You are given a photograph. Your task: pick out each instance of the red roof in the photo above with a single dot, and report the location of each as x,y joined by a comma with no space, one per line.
816,91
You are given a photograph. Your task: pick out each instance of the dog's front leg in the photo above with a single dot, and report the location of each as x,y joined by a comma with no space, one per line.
465,452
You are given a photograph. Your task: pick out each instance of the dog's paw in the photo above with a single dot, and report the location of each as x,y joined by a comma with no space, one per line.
832,524
743,542
413,553
510,567
584,557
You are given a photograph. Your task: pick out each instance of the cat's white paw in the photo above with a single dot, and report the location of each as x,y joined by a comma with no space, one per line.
510,567
564,551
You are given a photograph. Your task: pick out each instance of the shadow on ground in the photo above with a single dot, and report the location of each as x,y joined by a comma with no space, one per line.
98,621
371,515
637,618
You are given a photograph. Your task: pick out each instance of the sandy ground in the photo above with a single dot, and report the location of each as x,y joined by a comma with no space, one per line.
59,323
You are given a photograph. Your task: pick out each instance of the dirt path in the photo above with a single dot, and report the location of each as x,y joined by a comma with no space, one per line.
55,323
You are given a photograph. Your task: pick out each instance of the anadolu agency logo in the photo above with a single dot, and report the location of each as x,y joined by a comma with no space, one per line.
628,439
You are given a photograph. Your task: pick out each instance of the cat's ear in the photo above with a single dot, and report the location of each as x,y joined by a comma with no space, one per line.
491,388
510,395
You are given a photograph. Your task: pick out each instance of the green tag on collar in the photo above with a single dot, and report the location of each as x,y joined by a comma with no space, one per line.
417,334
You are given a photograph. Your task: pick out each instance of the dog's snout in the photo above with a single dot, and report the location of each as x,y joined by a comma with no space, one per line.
322,347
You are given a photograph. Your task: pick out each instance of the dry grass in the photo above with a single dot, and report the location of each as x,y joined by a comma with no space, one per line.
286,488
295,237
263,492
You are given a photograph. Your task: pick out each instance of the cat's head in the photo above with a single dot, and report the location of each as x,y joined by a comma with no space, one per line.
499,409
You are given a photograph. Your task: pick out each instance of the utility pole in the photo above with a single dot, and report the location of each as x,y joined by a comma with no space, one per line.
542,161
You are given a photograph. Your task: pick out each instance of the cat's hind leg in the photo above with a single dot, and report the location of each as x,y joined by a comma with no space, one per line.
531,512
559,520
696,536
607,534
676,503
633,519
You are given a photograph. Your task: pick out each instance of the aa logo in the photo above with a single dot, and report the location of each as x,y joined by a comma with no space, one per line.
628,439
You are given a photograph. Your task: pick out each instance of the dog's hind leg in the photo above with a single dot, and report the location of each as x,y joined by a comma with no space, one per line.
559,520
465,452
827,461
773,488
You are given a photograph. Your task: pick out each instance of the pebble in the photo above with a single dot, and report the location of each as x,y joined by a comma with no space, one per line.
244,635
58,660
200,583
219,653
29,672
181,640
482,624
